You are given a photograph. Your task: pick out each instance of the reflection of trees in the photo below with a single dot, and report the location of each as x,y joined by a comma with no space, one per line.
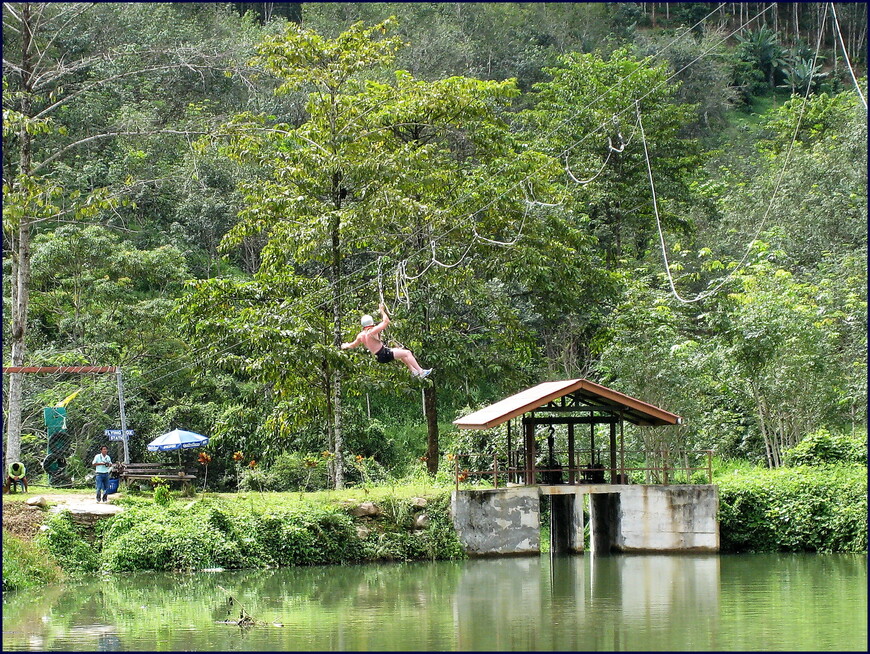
621,602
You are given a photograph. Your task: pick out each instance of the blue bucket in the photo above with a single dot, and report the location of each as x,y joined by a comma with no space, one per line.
113,485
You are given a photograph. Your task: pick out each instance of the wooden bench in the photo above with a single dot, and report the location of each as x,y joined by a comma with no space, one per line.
149,471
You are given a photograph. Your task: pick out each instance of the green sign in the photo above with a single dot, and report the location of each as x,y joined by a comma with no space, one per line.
55,419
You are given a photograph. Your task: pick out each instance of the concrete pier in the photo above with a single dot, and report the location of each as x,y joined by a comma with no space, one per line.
623,518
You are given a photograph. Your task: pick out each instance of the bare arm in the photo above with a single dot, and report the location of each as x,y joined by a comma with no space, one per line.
384,323
352,344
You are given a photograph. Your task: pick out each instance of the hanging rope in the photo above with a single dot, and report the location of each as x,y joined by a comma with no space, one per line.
506,243
610,151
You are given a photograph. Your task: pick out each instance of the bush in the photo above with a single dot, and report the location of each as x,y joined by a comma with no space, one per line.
816,509
822,447
162,495
66,543
257,479
27,564
152,538
297,471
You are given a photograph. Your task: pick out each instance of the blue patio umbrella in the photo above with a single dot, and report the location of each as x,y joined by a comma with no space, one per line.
177,439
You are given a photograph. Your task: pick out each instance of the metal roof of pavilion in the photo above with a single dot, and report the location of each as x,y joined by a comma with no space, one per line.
582,390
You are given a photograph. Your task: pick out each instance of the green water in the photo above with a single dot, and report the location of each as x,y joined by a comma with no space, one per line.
746,602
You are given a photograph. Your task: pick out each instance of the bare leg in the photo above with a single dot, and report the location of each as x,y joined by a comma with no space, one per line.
406,357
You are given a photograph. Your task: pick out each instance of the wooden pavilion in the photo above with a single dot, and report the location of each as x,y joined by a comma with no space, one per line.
569,402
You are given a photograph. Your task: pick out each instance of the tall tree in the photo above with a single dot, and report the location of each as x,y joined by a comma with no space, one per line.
382,166
71,87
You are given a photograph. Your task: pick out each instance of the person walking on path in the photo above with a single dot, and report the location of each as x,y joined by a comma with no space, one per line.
101,462
370,337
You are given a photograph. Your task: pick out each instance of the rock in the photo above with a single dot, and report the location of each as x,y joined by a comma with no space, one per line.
39,500
362,532
421,521
419,502
365,509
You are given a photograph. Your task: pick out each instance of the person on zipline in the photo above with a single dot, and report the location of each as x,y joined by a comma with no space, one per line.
369,336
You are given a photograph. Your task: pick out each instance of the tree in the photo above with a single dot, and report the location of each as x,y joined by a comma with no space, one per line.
62,73
380,169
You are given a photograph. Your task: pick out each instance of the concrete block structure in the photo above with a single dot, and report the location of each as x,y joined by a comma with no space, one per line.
623,518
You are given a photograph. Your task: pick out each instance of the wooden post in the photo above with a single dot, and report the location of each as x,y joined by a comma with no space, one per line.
592,444
456,470
665,468
529,438
612,452
622,478
495,470
509,453
571,453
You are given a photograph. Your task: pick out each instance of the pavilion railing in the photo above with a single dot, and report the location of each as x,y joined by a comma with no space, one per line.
654,467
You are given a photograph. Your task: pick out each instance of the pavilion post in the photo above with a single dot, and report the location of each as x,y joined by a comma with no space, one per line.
529,429
622,478
570,452
612,452
509,453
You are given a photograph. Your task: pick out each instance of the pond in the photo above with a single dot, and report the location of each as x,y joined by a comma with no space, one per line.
744,602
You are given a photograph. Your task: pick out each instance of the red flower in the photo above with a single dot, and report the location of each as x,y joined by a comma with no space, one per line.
238,456
252,465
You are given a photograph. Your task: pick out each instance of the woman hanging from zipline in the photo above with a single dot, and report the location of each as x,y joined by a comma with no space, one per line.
369,336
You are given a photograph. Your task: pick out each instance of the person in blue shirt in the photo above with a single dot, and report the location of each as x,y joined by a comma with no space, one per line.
102,462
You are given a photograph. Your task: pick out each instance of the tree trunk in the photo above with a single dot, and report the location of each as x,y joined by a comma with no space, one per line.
431,407
20,255
762,424
338,437
797,31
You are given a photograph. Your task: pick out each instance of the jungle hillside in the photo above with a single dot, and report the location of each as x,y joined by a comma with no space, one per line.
669,199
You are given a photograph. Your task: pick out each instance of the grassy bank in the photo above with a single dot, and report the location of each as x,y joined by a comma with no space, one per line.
256,530
804,508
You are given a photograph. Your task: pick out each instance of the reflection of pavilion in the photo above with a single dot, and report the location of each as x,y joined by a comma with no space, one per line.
623,516
599,603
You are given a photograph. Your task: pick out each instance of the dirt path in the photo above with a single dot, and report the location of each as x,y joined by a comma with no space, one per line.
78,503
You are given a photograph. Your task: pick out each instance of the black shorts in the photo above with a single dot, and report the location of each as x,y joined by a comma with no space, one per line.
384,355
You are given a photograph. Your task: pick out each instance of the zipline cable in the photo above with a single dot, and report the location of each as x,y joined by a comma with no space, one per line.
846,57
739,265
401,268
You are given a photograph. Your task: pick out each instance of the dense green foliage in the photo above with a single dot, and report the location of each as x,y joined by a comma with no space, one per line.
67,544
816,509
27,564
215,532
210,199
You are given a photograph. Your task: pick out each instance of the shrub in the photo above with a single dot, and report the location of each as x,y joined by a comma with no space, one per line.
162,495
257,479
297,471
27,564
152,538
66,543
822,447
817,509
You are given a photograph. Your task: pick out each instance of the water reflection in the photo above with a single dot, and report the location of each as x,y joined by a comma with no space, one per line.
559,602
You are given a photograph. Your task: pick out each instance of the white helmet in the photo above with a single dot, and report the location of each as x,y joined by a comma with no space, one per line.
367,321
